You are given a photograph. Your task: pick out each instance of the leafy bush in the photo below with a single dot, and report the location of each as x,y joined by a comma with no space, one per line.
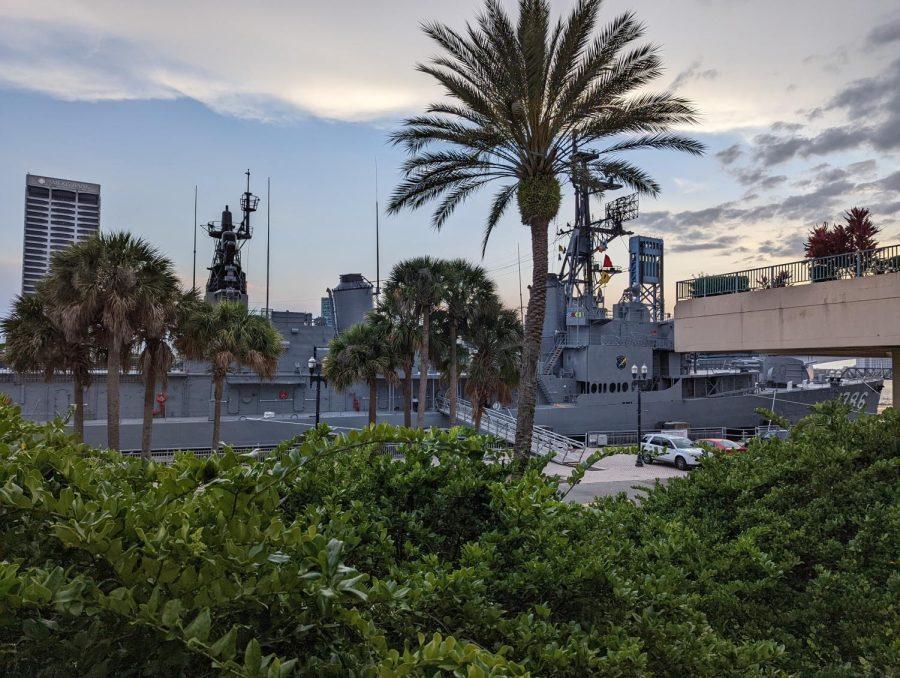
713,285
334,557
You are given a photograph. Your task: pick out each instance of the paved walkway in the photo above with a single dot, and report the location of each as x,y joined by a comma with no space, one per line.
613,475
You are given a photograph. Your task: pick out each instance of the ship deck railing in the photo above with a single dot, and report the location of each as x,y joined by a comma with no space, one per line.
858,264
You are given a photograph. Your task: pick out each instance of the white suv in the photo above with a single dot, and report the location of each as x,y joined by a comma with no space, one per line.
677,450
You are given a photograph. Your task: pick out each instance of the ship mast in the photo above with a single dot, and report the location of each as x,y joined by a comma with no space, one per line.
581,277
227,281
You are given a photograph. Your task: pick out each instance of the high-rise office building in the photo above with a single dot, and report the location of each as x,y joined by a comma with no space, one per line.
58,213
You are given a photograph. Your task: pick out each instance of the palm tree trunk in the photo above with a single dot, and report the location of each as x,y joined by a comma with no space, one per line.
147,427
219,383
113,365
454,377
407,392
78,396
531,346
423,368
477,411
373,402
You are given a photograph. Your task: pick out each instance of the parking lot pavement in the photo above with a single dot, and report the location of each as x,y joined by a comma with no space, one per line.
612,475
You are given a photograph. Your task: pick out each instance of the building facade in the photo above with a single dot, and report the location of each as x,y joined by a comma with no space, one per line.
58,213
327,311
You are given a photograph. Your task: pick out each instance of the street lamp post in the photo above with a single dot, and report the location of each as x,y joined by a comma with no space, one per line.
315,375
639,383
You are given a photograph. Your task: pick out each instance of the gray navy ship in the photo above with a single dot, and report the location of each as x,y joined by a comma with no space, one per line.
588,351
584,374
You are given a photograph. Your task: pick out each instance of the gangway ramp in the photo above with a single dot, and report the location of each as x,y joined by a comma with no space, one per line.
544,442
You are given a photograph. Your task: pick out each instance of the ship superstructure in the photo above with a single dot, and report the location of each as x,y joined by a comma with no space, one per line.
227,280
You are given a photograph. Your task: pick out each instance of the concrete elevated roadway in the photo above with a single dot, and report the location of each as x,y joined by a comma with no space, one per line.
856,317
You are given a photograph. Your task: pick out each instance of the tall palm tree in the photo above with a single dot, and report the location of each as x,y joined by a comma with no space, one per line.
417,283
35,343
523,99
397,320
360,353
465,286
493,370
227,334
112,284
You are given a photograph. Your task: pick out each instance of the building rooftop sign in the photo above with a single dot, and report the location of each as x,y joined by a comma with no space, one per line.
50,182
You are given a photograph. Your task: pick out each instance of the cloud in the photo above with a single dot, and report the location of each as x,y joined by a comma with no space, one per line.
875,99
783,246
245,69
863,168
834,190
730,154
886,33
694,72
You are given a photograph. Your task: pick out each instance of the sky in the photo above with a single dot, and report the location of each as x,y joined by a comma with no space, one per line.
799,102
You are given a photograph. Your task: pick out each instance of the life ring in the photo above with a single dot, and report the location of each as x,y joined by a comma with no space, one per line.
282,395
161,398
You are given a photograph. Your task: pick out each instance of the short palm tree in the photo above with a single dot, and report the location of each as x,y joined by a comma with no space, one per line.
397,320
111,285
417,283
493,370
523,99
156,357
35,343
227,335
360,353
465,286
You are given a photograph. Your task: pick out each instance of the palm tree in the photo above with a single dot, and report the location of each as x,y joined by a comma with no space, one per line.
465,286
360,354
524,98
34,343
417,283
496,340
227,334
157,357
397,321
112,285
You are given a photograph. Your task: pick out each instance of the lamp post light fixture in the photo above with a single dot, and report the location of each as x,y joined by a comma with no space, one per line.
315,375
639,383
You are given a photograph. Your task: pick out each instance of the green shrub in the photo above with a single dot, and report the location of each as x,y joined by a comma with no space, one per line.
712,285
330,557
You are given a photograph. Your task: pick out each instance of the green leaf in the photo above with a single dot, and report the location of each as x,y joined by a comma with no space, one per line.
199,628
171,613
226,647
252,658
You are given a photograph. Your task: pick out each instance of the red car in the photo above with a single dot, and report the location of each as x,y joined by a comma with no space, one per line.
727,446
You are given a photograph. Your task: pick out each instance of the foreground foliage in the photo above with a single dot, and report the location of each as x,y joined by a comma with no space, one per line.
334,557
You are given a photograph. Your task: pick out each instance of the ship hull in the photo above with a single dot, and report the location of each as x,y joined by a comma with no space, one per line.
725,411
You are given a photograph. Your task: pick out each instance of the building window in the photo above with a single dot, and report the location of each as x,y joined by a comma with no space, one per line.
59,194
39,191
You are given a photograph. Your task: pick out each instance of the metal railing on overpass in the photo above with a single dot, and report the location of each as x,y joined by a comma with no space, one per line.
841,266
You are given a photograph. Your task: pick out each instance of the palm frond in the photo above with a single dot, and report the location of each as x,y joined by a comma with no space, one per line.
498,207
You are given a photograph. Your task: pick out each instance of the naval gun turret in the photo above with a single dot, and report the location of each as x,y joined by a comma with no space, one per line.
227,280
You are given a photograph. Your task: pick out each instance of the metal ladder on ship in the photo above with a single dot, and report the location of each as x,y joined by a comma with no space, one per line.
543,441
